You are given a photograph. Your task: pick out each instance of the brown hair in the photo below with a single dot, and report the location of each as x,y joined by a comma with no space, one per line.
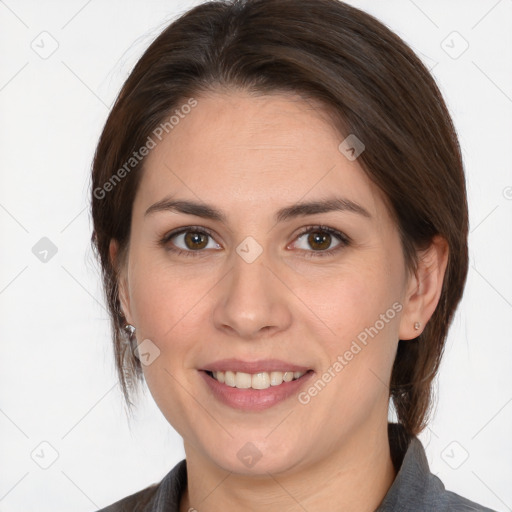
372,84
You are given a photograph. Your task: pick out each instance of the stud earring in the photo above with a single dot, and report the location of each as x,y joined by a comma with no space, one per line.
130,329
417,326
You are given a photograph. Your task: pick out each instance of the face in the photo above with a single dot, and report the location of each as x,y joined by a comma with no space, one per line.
316,290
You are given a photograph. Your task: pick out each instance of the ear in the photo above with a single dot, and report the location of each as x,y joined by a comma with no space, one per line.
424,288
124,297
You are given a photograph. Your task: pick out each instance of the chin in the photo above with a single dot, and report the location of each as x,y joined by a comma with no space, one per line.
257,458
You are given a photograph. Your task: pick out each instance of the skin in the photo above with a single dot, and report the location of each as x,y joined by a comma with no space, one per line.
249,156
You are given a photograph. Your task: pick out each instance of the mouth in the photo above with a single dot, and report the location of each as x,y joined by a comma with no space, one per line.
259,380
254,385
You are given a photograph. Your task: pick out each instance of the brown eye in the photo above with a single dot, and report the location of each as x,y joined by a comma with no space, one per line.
189,241
195,240
319,241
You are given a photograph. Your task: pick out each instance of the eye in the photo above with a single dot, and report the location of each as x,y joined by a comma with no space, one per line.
193,240
320,239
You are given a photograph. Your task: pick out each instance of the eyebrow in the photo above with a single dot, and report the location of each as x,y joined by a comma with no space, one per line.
303,209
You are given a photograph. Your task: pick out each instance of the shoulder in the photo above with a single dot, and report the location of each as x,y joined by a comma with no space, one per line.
449,501
164,495
137,502
415,487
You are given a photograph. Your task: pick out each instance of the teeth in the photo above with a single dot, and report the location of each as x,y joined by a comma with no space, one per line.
262,380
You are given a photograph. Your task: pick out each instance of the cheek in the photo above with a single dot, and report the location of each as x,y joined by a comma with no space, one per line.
359,312
354,298
160,296
165,305
170,306
359,345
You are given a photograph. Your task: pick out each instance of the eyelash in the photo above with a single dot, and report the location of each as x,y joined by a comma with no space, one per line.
343,239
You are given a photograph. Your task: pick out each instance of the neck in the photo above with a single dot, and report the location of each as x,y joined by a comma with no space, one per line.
354,478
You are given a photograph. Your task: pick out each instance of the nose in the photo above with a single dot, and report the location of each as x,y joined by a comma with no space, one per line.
252,301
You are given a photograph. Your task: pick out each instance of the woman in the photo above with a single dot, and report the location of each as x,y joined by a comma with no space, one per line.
280,214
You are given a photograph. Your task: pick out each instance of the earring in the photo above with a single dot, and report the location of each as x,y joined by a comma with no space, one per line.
129,328
417,326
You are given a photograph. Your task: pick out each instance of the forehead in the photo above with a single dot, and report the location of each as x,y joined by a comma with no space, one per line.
241,149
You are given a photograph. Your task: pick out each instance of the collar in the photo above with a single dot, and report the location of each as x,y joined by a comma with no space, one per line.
413,482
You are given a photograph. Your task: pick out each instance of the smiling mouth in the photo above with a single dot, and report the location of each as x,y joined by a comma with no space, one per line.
260,380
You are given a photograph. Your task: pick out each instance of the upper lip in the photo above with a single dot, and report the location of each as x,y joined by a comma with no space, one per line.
263,365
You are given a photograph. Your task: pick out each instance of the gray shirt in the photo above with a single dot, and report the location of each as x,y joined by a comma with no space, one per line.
415,488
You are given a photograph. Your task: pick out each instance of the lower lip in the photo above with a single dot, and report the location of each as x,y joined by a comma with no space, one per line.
254,399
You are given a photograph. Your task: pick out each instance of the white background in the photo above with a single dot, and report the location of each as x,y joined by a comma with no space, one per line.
57,380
